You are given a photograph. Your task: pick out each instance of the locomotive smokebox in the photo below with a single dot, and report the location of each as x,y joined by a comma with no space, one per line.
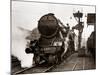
48,25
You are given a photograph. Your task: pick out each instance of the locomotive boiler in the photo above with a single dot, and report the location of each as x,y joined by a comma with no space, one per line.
50,46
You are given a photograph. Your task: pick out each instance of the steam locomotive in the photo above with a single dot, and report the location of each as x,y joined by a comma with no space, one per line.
50,46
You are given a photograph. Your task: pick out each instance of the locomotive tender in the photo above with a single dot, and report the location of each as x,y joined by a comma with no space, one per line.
50,45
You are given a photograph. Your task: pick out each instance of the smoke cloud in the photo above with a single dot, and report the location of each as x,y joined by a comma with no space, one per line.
19,42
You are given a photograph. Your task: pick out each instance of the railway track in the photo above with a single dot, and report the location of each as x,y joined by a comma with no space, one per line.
35,69
79,65
72,63
41,68
20,71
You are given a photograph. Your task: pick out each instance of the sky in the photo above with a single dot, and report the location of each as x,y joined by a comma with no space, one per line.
27,15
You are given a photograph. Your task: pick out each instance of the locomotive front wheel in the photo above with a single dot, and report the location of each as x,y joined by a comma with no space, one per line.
53,59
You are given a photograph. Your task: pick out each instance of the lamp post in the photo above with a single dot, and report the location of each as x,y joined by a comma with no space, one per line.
78,16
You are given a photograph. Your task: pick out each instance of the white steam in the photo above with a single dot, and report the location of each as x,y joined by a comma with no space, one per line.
85,35
18,47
